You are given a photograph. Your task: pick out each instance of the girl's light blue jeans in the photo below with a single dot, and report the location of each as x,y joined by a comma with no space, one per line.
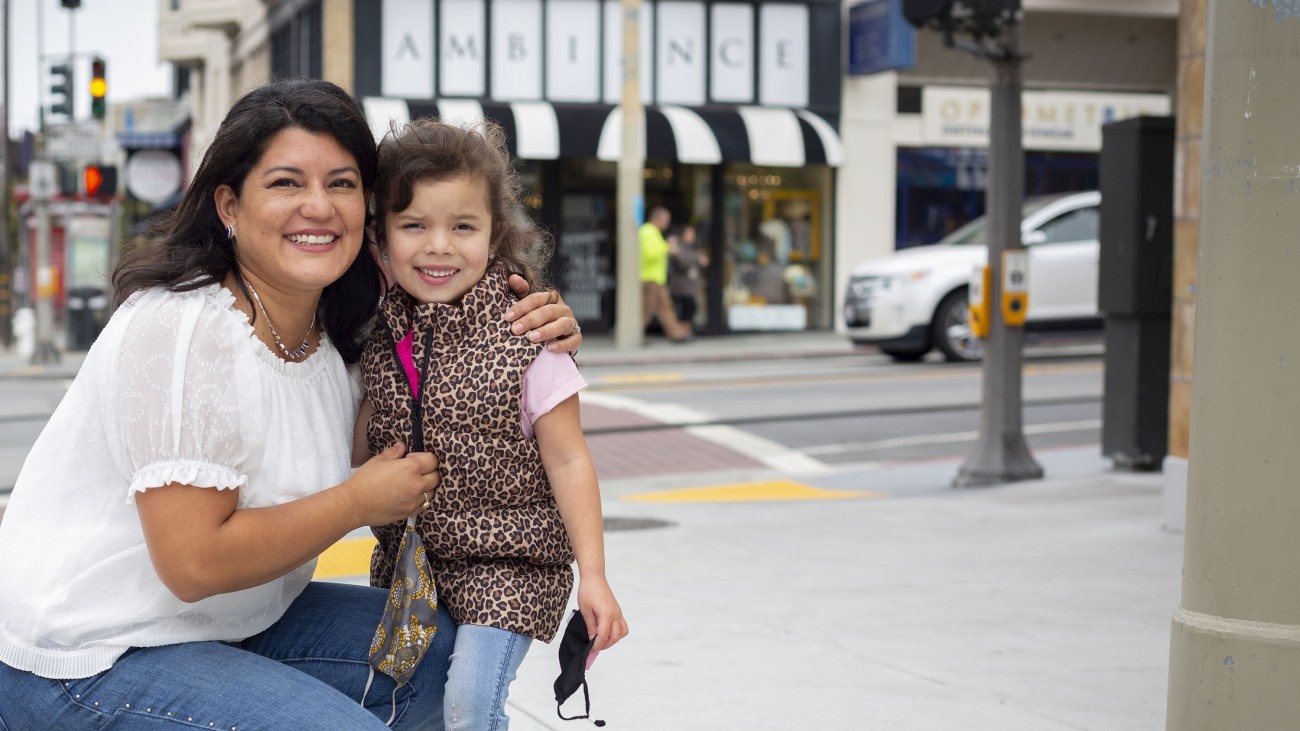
306,672
483,666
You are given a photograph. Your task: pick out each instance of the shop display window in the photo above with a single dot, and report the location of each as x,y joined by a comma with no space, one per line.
775,273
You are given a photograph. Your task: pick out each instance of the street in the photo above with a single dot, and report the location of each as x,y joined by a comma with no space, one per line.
824,412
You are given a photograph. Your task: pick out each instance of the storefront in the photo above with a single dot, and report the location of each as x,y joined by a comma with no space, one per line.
943,163
742,109
915,121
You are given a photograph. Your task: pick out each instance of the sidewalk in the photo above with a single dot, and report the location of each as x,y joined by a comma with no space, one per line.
1039,606
601,350
862,598
597,350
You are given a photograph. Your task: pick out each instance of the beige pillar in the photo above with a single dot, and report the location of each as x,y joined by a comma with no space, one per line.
1187,217
339,47
1235,647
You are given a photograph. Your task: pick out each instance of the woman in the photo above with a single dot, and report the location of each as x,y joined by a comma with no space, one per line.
156,555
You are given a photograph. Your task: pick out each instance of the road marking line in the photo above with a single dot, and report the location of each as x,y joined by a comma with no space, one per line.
949,438
348,557
636,378
773,490
761,450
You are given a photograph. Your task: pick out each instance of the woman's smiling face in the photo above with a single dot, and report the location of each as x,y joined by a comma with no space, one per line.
299,219
439,246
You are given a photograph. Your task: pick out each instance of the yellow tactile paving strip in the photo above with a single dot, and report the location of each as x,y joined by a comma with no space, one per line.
348,557
351,556
767,491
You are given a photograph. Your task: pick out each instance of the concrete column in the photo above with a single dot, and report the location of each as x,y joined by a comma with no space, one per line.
867,181
1187,220
1235,646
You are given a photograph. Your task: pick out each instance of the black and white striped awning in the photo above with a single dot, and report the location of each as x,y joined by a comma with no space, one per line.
769,136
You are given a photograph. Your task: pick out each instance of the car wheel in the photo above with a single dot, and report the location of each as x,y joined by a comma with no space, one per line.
951,329
905,356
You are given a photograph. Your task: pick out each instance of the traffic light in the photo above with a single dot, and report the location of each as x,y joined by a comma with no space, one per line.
99,181
976,17
61,88
98,88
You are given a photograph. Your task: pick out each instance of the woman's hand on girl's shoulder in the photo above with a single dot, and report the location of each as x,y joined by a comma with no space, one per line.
544,317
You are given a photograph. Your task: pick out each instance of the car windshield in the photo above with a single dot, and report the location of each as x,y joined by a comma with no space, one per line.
976,232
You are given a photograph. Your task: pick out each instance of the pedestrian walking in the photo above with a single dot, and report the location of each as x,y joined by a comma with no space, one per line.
686,265
656,301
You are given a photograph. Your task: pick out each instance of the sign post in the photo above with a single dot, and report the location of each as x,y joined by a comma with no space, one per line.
629,327
43,186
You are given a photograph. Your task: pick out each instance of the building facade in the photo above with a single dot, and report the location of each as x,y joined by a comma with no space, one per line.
916,135
742,110
791,170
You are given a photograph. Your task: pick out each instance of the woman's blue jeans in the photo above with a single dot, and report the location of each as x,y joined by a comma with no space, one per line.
307,671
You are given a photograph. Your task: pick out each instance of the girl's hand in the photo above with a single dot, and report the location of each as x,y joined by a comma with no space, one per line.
600,611
544,316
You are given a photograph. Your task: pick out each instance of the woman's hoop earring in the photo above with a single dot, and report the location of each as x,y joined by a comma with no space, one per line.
230,232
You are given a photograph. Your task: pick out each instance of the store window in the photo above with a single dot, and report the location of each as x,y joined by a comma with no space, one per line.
296,42
942,189
775,268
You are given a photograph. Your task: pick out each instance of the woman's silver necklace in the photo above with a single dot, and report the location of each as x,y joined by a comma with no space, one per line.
290,354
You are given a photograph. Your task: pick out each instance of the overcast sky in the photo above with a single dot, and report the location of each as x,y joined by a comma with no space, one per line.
124,32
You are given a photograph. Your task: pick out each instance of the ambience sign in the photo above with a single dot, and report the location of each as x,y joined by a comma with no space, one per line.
692,53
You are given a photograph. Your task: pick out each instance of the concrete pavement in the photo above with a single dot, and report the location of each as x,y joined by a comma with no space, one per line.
866,597
1039,606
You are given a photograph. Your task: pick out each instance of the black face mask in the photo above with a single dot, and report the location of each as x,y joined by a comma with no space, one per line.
575,645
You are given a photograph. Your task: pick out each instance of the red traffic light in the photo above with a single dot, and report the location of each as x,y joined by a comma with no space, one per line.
99,181
93,179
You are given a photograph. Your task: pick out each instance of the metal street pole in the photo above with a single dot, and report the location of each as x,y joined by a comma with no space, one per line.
6,247
43,187
629,327
1001,453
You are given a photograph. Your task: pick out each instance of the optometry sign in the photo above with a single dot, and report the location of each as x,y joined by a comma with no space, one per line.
959,117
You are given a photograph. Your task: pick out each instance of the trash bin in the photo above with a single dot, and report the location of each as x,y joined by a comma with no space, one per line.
25,331
86,307
1135,284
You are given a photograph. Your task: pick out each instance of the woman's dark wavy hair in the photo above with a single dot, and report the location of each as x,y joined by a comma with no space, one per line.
187,248
427,149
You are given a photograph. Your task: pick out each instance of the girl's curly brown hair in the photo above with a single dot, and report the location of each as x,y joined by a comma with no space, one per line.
428,149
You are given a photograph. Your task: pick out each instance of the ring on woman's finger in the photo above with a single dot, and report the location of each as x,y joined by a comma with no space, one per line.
427,504
576,328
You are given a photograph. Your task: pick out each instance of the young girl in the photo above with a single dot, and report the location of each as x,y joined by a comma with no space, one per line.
518,500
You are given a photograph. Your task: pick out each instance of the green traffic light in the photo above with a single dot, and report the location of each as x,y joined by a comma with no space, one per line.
61,89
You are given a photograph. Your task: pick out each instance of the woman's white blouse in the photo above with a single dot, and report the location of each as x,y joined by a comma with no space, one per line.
175,389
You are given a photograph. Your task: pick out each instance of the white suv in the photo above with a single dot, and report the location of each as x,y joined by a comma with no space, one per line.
915,299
